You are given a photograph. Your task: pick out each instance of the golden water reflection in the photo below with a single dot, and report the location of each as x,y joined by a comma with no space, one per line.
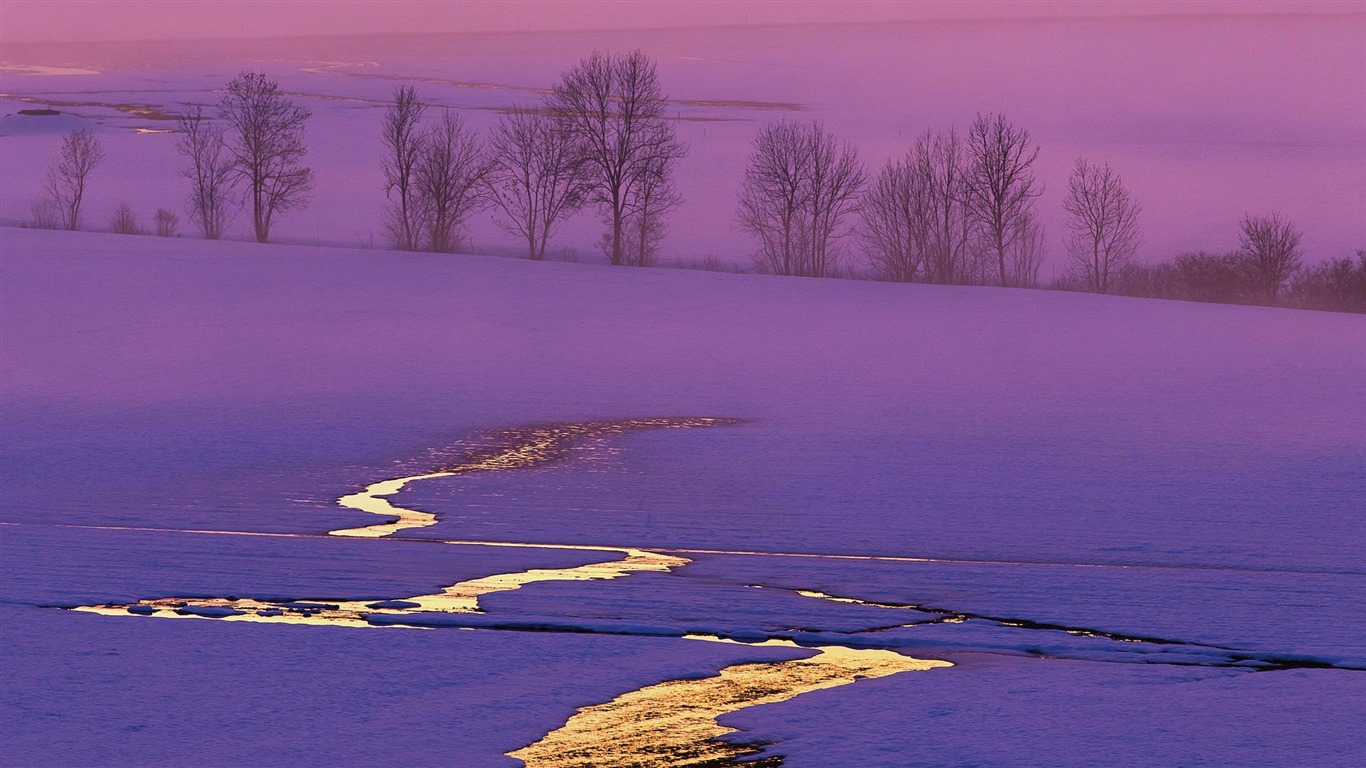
462,597
511,449
517,448
674,723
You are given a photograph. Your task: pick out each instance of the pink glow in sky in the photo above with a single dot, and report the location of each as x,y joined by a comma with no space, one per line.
91,20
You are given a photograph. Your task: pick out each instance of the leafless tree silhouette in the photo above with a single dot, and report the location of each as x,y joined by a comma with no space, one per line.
615,111
536,176
210,173
1000,187
450,181
1270,248
915,225
403,148
267,147
1103,220
801,186
68,176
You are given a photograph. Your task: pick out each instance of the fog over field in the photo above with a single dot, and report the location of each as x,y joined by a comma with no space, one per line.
317,501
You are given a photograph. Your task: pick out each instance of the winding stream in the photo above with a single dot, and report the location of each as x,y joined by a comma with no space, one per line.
668,724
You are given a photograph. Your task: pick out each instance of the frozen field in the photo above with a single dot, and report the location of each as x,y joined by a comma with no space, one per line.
469,510
1133,527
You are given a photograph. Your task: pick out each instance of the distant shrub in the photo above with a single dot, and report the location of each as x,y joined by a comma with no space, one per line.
124,221
46,215
168,223
1337,285
1217,277
709,263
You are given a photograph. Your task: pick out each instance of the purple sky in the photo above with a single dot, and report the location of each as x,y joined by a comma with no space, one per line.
88,20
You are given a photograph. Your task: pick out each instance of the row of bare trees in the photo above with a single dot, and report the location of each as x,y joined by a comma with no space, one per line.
600,137
949,211
953,209
253,154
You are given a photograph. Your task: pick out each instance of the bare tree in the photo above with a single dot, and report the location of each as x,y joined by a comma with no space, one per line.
210,173
615,111
1000,186
403,148
168,224
535,177
267,147
1103,219
68,176
1270,246
450,181
915,225
124,221
801,186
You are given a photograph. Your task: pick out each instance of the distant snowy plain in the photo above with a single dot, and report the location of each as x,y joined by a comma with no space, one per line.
1106,498
1179,472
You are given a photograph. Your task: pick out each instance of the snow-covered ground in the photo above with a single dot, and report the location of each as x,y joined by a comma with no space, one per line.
1134,527
1097,508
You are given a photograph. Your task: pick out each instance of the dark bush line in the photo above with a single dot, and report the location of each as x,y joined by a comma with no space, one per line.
1336,285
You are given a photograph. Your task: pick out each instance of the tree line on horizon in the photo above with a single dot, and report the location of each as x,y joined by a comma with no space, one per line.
956,208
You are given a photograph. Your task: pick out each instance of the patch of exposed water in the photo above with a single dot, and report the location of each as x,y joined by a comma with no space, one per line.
674,723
